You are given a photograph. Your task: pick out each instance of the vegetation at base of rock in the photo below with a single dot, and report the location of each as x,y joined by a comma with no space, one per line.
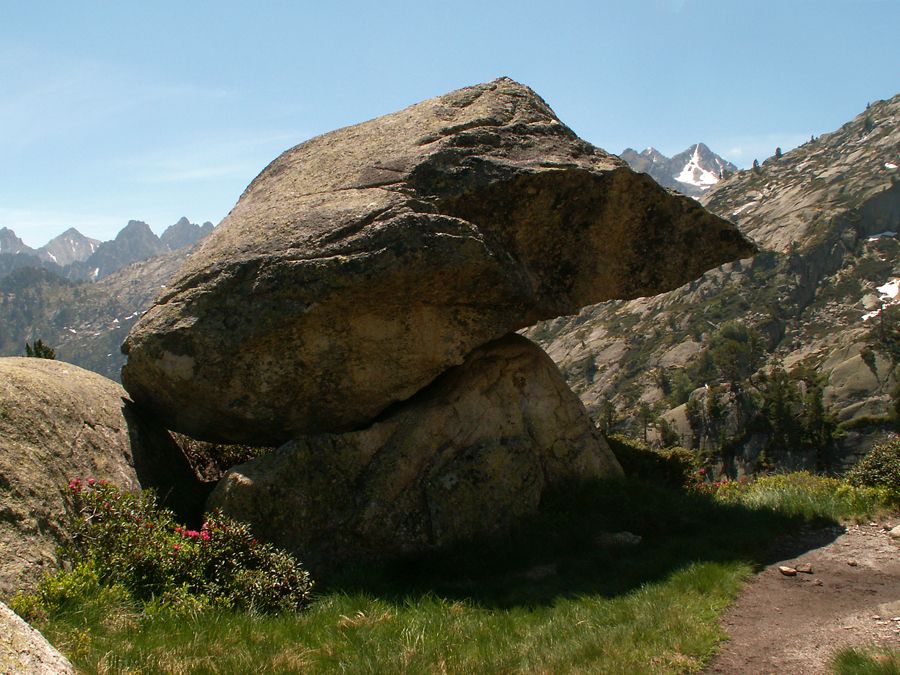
866,661
212,460
673,466
553,595
880,468
870,488
40,350
121,544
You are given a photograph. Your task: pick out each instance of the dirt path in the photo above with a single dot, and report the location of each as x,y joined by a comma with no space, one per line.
791,625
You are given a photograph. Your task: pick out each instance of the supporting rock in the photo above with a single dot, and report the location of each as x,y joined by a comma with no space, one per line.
470,454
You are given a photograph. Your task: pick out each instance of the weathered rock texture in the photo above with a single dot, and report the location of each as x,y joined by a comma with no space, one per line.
469,454
57,422
24,651
360,265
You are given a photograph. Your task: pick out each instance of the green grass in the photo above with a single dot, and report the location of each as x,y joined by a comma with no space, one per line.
866,662
553,596
807,496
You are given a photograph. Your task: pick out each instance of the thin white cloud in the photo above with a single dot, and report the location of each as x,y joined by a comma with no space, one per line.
46,97
210,159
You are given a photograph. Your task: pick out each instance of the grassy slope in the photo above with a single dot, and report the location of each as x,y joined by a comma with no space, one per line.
555,596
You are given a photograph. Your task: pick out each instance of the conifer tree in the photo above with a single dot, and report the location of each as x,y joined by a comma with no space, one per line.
40,350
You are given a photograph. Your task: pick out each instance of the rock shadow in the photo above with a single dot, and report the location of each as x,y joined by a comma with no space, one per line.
161,464
602,538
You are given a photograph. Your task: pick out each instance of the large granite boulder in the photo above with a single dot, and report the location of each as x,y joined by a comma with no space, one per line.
469,454
57,422
361,264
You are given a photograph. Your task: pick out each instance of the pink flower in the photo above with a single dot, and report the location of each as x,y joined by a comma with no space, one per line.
702,472
75,485
176,547
193,534
204,535
91,482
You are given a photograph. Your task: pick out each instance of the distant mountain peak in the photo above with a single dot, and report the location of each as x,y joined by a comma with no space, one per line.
69,247
10,243
691,172
184,233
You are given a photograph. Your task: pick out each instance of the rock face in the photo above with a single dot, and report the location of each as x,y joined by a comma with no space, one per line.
136,241
25,651
57,422
469,454
360,265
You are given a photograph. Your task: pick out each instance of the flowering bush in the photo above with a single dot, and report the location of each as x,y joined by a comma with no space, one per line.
132,543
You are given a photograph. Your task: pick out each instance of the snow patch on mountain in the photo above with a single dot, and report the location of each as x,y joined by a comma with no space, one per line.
694,173
889,294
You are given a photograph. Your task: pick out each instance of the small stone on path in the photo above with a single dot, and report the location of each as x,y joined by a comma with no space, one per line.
787,571
806,568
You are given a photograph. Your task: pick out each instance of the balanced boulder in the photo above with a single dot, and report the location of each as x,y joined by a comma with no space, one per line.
59,422
361,264
469,454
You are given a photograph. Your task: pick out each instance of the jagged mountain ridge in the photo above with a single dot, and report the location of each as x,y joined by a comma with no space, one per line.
826,216
691,172
73,256
11,244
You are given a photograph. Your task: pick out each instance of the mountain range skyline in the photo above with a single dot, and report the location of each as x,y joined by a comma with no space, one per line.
640,162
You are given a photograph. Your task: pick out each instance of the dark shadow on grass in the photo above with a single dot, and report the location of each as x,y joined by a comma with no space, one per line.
566,549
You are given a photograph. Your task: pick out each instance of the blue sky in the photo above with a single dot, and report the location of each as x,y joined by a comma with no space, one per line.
119,110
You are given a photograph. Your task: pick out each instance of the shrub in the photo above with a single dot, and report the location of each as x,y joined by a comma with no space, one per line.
672,466
880,467
212,460
127,541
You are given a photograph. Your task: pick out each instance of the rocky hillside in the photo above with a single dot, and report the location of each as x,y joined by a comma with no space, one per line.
789,357
86,322
691,172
